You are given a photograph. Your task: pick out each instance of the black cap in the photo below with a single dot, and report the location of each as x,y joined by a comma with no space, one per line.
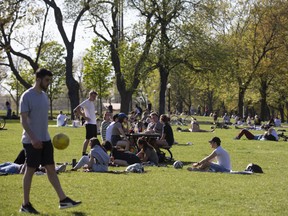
216,140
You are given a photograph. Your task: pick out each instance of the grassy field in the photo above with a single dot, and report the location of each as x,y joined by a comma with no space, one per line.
160,190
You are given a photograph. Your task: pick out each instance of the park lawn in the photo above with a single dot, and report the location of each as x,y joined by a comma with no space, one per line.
160,190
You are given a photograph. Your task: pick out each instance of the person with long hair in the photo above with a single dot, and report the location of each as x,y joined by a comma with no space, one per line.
98,159
147,152
167,138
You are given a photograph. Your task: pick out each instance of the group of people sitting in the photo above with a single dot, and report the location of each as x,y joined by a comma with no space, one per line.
116,147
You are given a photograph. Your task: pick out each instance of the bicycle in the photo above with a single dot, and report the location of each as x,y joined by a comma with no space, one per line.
2,123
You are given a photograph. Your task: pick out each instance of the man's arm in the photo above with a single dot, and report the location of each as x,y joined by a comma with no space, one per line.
79,112
24,121
208,158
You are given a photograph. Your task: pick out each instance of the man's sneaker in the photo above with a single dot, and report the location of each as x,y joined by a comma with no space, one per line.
68,203
28,208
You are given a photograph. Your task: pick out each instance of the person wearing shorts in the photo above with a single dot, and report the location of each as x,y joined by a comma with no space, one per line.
86,109
34,107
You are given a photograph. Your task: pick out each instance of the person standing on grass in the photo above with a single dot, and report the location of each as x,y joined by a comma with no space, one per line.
223,163
86,109
34,106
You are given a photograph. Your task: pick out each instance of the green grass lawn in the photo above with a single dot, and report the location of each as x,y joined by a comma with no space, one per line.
160,190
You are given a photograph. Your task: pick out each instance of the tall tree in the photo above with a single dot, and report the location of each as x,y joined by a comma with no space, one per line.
76,10
53,58
15,14
166,11
97,70
127,74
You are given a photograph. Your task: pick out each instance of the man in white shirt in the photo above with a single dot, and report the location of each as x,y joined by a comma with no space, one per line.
61,119
110,128
86,109
223,163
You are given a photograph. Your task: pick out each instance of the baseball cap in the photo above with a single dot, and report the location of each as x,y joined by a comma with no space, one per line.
216,140
122,115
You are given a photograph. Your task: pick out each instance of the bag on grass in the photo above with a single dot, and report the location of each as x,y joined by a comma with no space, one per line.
254,168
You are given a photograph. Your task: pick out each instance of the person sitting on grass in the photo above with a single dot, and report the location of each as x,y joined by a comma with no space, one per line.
195,127
147,152
120,157
155,125
97,160
270,134
61,119
167,138
118,137
223,163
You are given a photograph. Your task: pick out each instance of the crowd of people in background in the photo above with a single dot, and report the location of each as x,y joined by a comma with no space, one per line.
114,131
110,143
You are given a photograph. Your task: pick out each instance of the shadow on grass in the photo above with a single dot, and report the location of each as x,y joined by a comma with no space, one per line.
188,162
76,213
182,144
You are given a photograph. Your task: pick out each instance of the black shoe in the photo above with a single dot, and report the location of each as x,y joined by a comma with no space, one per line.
28,208
68,203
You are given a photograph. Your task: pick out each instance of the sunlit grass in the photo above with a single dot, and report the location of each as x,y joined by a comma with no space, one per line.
160,190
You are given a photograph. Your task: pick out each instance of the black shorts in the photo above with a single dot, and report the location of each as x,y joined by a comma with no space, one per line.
35,157
91,131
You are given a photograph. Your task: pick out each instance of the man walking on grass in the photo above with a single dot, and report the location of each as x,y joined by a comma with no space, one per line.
36,140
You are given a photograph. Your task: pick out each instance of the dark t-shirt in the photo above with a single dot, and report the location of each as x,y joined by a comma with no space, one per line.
167,130
129,157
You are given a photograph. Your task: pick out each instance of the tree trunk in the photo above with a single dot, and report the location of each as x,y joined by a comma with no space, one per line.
125,101
281,110
163,84
210,100
241,94
72,84
51,109
264,109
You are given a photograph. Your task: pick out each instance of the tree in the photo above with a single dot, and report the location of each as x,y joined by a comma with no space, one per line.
97,70
127,74
14,16
75,12
53,59
15,86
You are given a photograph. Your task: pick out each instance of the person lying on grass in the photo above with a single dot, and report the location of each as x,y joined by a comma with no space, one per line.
269,134
195,127
223,163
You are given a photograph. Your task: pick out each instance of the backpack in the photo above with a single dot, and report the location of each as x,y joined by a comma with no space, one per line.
161,156
254,168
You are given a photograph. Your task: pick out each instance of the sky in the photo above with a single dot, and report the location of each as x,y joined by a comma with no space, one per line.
84,36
